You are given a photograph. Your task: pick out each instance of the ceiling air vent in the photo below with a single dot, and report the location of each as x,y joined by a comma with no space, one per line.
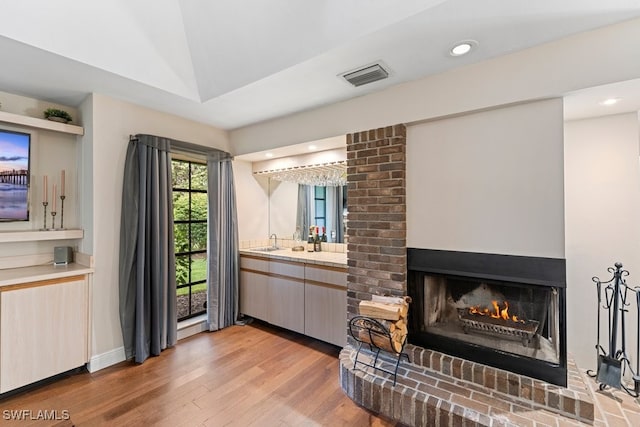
369,74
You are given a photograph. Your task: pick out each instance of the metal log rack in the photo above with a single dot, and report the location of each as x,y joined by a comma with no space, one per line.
376,332
614,364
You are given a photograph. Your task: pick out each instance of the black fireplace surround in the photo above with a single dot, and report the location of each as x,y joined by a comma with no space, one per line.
537,273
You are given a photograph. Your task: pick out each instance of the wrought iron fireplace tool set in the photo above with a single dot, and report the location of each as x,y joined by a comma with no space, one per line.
614,364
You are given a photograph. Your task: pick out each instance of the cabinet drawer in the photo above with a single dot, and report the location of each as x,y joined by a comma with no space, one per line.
257,264
289,269
330,275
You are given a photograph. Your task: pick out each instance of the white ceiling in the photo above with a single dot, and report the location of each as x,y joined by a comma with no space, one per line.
234,63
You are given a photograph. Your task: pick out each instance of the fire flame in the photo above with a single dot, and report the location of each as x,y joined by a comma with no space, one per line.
497,312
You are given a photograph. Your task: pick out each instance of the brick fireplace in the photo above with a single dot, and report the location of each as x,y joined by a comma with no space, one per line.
437,388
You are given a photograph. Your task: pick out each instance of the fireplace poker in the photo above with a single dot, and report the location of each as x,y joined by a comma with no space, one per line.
599,348
622,353
636,377
609,366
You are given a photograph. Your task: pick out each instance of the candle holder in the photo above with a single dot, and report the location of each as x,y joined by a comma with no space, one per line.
62,211
45,204
53,220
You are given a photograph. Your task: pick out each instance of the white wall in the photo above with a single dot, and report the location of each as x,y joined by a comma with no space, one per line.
488,182
112,123
602,180
252,202
283,205
264,206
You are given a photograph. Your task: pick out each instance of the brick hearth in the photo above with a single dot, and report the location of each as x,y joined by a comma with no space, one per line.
441,390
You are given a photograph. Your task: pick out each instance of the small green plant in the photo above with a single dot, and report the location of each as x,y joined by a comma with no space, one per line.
54,112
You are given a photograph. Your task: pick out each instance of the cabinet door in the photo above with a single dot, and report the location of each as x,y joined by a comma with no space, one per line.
325,308
286,303
253,294
43,330
325,303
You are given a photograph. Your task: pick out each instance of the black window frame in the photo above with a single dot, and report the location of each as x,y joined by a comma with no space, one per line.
190,252
320,199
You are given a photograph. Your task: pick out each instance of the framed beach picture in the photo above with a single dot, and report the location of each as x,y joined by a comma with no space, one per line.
14,175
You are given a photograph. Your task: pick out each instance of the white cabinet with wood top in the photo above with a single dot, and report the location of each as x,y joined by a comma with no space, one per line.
43,329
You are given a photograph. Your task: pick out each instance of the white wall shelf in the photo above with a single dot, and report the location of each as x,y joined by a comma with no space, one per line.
35,122
35,235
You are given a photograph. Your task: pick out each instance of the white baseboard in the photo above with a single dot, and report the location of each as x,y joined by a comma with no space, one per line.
117,355
107,359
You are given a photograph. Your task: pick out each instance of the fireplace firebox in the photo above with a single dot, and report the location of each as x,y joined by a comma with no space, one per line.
500,310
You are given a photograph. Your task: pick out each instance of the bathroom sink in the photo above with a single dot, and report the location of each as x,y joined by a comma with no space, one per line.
268,249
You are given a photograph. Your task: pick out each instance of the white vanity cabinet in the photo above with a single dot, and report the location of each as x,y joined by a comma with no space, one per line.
297,295
43,329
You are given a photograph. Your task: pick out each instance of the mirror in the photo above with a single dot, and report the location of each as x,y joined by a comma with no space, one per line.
324,205
318,164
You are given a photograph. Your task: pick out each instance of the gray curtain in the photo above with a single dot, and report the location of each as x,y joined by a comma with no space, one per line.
335,206
304,212
147,262
224,258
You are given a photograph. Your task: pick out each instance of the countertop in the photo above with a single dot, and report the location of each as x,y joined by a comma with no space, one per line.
13,276
333,259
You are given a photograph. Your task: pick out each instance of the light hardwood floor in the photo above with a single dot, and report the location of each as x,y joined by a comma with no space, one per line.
241,376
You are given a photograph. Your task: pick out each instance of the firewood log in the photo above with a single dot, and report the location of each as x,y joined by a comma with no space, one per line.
378,310
387,300
379,340
390,299
388,324
401,326
392,343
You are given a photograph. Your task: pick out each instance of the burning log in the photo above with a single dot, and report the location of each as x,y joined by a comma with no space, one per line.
498,322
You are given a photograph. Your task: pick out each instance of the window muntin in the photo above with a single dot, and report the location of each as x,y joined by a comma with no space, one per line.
190,236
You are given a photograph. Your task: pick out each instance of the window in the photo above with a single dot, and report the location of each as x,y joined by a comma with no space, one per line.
320,206
190,236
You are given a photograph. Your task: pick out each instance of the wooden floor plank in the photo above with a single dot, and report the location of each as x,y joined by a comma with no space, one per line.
256,375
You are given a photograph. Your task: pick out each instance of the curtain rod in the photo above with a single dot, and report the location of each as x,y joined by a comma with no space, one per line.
188,147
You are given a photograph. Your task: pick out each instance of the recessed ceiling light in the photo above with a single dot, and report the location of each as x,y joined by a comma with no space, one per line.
610,101
312,147
462,48
268,155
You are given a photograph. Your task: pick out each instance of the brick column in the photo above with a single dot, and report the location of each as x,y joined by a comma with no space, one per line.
376,198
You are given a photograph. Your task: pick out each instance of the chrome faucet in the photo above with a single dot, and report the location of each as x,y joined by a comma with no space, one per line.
275,240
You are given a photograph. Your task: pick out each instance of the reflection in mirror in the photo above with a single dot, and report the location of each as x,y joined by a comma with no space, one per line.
306,190
295,207
324,208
